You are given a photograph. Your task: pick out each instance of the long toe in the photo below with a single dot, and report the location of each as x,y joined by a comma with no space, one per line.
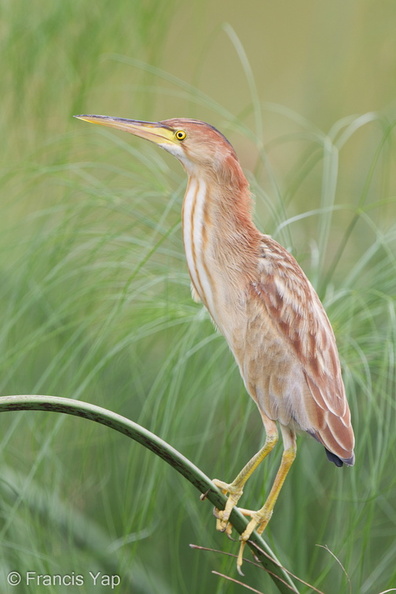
234,494
224,487
240,557
251,527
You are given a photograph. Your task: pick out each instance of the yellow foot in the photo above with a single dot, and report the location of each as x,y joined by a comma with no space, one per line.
234,494
220,523
258,522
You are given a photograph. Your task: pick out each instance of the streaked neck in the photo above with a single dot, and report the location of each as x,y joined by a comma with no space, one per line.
219,238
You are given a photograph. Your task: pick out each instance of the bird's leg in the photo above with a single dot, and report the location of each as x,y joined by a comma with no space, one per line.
260,518
235,489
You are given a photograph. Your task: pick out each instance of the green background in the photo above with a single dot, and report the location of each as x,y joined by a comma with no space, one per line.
95,292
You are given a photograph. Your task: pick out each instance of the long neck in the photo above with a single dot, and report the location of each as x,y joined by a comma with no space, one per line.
220,238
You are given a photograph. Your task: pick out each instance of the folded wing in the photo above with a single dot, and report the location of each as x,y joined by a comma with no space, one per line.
298,315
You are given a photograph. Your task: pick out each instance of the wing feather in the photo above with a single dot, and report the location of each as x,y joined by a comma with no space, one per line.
299,317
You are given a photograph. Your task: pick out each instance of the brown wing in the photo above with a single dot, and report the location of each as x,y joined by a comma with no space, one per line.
298,315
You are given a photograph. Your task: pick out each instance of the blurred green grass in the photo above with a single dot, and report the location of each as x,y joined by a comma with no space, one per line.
95,290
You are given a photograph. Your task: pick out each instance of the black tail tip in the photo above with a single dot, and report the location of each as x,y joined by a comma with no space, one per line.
340,461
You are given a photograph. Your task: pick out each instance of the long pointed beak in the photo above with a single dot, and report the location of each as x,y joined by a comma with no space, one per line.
154,131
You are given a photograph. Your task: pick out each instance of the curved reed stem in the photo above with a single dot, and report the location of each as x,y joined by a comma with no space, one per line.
165,451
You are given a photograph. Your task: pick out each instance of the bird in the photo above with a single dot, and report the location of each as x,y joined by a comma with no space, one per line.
262,302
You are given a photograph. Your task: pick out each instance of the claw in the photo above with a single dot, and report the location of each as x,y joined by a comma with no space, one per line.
240,557
227,528
203,496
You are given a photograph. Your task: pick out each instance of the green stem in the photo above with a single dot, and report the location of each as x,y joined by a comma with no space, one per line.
162,449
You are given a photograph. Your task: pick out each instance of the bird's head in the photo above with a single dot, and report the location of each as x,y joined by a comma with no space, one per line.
200,148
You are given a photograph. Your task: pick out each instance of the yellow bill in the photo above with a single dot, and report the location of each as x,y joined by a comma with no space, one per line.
154,131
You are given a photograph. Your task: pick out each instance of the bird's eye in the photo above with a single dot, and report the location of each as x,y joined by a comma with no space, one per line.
180,135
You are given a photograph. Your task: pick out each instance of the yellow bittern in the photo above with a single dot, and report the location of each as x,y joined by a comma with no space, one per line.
260,300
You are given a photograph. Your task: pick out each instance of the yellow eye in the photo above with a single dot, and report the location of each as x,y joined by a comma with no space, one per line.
180,135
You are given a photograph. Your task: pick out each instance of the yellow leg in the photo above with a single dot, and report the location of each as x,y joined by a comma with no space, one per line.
235,489
261,517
